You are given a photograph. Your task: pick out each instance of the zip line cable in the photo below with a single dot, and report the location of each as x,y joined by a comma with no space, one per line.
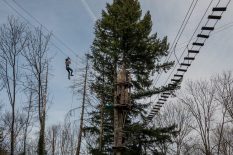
196,39
30,23
179,34
151,115
179,31
59,49
200,33
192,36
190,39
186,22
217,30
56,37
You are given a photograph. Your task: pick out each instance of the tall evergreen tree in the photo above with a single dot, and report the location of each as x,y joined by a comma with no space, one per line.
123,36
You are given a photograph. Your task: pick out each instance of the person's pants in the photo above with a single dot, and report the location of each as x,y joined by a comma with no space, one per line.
70,71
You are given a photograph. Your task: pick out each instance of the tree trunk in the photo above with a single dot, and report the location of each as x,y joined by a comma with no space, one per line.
82,112
13,109
101,125
13,131
27,123
53,142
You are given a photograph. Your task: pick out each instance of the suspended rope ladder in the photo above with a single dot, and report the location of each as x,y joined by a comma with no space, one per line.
201,38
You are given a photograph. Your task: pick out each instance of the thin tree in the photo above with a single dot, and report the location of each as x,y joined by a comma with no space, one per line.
1,132
200,101
38,63
66,140
52,137
13,40
176,113
82,109
29,112
224,87
6,120
224,96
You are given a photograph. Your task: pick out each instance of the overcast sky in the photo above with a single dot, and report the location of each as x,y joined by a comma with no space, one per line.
72,21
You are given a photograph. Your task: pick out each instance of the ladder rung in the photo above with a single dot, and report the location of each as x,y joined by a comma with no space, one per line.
176,80
158,105
198,44
219,9
172,85
163,96
160,102
182,70
203,36
184,64
207,28
214,17
166,93
193,51
161,99
172,88
177,75
189,58
155,108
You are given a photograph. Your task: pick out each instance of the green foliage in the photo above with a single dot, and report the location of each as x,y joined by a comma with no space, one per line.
123,36
142,136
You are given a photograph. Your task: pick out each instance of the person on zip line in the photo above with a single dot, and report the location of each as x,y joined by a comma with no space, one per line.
69,70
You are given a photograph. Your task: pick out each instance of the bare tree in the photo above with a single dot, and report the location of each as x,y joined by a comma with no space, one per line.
199,100
1,131
219,131
53,136
13,39
18,130
1,139
224,87
82,110
38,64
176,113
61,139
81,87
29,112
224,96
65,140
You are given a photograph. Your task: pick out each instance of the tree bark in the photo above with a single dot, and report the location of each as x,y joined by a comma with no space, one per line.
82,111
